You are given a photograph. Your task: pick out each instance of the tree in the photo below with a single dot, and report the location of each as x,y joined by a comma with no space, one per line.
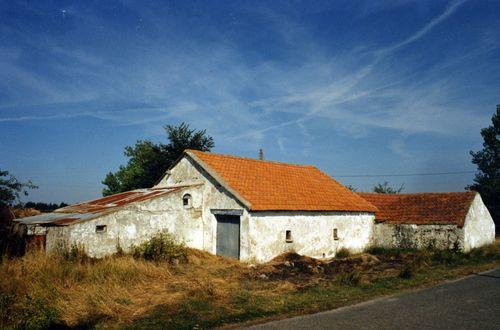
44,207
384,188
148,161
352,188
487,179
11,188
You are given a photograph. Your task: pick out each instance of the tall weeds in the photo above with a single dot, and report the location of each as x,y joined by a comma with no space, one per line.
161,247
45,290
39,290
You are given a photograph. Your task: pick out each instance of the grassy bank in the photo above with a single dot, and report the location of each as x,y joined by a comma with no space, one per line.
201,290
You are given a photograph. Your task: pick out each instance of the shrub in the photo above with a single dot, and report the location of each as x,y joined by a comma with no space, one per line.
380,250
161,247
377,250
447,257
343,253
351,278
38,314
487,252
76,253
408,271
6,302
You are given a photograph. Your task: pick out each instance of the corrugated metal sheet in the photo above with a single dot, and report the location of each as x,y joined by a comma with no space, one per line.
113,201
95,208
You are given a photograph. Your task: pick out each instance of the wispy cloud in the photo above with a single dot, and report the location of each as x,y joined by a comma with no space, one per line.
424,30
124,116
323,100
212,85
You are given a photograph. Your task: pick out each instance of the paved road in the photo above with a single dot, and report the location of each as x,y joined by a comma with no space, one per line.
469,303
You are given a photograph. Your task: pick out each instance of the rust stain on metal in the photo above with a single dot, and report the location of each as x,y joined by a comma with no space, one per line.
64,221
97,207
110,202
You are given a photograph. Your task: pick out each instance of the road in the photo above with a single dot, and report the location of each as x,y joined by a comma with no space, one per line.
469,303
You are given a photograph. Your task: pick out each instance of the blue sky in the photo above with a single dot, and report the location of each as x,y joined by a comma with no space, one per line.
352,87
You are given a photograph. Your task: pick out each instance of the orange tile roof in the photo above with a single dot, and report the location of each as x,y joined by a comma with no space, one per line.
421,209
273,186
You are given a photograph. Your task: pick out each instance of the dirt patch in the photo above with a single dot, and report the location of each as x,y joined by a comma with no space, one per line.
299,269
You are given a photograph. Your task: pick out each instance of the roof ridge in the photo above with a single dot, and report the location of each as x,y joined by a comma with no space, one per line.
252,159
418,193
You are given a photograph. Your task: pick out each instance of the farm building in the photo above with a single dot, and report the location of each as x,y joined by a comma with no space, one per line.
244,208
442,220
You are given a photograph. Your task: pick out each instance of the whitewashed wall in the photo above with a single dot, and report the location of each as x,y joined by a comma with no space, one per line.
479,228
214,196
312,233
135,224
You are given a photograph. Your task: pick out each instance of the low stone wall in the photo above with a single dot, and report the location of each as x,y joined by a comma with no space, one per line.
411,236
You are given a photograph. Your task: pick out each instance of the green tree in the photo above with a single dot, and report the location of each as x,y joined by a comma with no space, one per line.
44,207
385,188
11,188
487,179
352,188
148,161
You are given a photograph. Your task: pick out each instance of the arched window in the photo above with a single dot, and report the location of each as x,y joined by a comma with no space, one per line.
186,200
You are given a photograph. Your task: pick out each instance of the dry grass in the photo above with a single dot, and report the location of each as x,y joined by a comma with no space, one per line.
41,291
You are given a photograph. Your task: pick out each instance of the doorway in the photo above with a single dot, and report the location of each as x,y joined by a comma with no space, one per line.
228,235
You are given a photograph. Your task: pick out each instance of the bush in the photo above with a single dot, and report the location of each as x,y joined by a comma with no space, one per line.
447,257
408,271
38,314
487,252
343,253
377,250
161,247
352,278
6,302
380,250
76,253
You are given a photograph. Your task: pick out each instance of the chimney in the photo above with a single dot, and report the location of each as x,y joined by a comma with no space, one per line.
261,154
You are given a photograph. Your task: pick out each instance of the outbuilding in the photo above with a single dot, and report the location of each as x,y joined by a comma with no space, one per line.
454,220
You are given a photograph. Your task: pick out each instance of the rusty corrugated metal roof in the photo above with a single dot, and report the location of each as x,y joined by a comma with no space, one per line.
117,200
95,208
57,218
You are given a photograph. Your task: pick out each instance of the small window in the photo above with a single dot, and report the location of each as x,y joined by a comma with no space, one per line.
186,200
100,228
335,234
288,236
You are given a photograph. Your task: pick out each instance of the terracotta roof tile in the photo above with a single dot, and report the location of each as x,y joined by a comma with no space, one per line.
280,186
422,208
